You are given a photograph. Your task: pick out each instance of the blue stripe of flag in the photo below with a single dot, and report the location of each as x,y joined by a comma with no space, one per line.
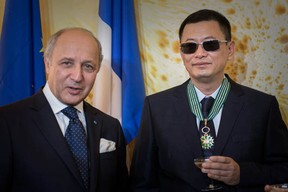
126,63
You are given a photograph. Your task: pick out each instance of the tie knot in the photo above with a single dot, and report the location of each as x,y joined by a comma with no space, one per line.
207,103
70,112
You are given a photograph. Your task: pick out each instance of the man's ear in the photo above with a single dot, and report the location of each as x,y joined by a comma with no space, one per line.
47,65
231,50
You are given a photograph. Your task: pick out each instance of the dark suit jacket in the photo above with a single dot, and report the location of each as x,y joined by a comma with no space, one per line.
251,132
34,155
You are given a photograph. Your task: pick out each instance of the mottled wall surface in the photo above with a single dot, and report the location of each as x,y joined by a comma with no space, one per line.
2,5
259,30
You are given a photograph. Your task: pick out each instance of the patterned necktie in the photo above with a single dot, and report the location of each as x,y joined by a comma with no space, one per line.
207,136
76,138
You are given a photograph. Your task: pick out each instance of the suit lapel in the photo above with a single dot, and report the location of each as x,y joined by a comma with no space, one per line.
231,110
52,133
94,125
187,119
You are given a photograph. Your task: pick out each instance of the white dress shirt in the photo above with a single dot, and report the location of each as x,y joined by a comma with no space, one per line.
217,118
57,106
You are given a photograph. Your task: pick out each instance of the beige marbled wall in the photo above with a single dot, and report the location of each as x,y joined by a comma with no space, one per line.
259,30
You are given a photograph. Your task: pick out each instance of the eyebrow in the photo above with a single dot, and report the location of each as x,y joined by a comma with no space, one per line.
67,58
71,59
206,38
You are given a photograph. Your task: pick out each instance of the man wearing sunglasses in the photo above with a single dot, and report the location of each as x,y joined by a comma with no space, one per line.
242,135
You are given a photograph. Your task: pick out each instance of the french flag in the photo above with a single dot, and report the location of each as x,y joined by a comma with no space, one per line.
119,88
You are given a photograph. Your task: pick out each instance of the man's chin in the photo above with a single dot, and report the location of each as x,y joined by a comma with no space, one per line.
203,77
72,100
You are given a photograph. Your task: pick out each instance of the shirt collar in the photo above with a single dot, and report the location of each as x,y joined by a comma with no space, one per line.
55,104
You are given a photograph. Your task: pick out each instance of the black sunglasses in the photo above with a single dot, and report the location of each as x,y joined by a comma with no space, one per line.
210,45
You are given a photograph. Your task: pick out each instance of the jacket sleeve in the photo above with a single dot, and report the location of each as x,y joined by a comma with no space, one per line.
5,157
143,172
274,168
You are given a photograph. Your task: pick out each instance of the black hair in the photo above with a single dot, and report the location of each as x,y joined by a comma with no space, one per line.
208,15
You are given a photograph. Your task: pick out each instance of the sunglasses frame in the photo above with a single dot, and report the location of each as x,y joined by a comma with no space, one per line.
202,44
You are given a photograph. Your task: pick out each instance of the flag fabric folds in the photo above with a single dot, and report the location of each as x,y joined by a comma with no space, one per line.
120,80
22,70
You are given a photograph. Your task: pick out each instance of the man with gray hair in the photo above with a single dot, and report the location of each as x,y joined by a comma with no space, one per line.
54,140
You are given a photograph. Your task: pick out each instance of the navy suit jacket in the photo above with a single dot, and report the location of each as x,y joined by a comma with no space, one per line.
34,155
251,132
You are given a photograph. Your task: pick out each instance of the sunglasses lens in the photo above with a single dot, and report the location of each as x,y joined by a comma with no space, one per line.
188,48
211,45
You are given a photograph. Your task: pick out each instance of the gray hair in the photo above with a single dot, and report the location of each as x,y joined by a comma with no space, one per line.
53,39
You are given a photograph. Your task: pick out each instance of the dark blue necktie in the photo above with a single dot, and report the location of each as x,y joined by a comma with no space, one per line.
76,138
207,104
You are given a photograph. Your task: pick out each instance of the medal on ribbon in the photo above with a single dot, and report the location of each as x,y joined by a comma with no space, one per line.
207,141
